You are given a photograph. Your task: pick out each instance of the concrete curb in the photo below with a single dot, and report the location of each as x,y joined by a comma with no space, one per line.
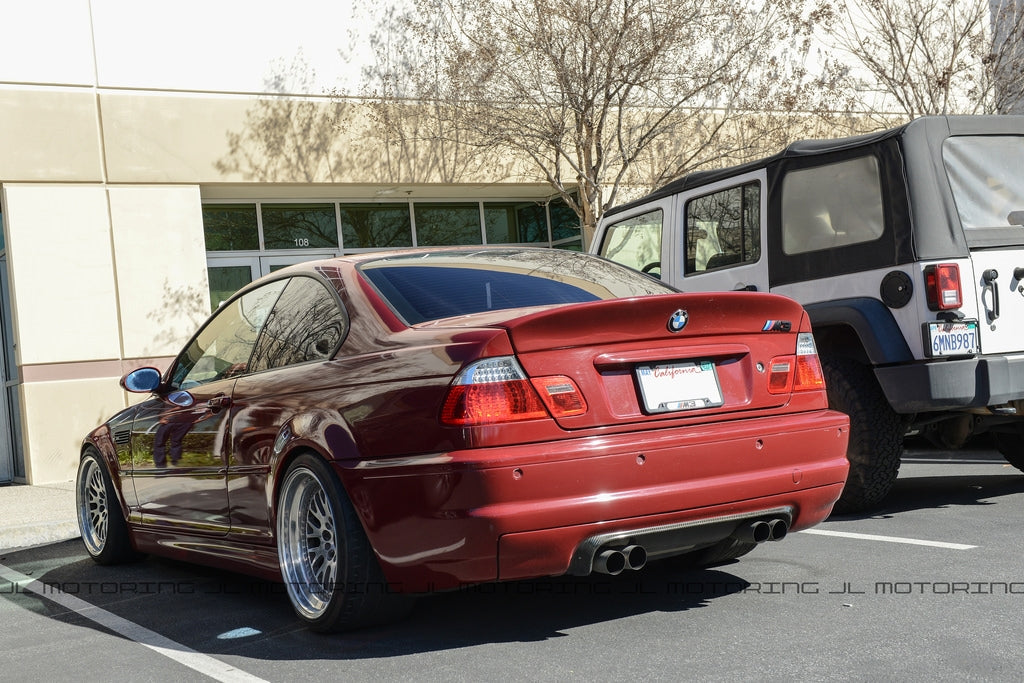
34,515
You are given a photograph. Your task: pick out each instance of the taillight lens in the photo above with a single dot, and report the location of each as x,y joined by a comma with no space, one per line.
561,396
799,372
942,287
496,390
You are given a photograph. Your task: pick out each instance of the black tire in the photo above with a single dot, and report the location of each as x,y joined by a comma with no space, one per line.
100,518
330,571
1010,445
876,433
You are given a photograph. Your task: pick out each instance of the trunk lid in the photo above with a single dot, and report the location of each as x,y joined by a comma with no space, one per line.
673,356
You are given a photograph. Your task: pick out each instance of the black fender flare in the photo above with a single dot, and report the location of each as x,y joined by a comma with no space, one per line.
879,334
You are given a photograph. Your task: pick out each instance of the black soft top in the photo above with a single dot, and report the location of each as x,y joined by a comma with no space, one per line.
937,232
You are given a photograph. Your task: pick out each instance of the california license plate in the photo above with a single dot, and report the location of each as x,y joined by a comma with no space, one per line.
952,339
688,385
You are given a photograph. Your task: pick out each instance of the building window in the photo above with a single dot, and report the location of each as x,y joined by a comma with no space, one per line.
445,224
515,223
375,226
565,226
225,281
299,226
245,240
230,227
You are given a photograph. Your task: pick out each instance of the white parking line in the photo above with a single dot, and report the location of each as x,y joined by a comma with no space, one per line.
889,539
204,664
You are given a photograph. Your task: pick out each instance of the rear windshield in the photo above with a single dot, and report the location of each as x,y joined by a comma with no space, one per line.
985,176
421,287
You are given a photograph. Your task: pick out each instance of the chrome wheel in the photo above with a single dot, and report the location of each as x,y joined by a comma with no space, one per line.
93,505
307,541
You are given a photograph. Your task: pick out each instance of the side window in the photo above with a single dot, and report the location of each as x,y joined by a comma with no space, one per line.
223,348
305,325
636,242
723,228
832,206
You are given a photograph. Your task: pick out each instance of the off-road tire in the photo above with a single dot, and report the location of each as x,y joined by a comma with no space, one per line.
876,433
1010,445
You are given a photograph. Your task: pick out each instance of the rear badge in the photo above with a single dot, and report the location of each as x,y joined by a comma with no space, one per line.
777,326
678,320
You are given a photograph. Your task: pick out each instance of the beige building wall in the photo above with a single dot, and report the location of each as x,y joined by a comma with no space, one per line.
103,279
102,192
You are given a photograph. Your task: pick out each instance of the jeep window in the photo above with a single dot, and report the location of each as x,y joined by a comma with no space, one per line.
985,177
636,242
832,206
723,228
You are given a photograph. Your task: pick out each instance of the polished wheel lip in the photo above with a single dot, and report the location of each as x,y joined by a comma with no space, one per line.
307,543
93,506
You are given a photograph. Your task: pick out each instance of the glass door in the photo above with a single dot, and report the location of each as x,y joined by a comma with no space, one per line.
10,422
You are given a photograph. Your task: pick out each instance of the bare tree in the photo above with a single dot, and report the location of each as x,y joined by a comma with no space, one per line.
591,94
934,56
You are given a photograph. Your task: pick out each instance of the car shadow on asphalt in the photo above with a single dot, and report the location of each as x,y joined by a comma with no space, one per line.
931,492
223,613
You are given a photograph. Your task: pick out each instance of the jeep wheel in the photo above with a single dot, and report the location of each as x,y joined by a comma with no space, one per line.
1011,446
876,432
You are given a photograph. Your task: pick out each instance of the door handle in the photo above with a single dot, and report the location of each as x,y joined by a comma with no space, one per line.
218,402
740,287
989,277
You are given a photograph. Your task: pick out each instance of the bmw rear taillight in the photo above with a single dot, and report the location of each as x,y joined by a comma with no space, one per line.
496,390
799,372
942,287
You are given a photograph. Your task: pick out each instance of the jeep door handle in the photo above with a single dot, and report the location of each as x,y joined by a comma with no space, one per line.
989,277
740,287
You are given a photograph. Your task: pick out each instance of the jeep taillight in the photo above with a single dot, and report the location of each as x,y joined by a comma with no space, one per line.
942,287
800,372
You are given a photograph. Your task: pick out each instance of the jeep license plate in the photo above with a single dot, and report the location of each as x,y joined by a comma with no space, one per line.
952,339
679,386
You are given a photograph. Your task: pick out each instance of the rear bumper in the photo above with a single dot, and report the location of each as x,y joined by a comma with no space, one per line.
953,384
441,521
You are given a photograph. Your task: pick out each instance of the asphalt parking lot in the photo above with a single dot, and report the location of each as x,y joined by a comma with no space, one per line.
930,586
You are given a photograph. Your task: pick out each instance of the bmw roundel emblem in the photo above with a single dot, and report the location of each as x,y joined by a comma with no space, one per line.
678,320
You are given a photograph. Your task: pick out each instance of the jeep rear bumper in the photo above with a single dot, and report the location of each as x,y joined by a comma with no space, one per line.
953,384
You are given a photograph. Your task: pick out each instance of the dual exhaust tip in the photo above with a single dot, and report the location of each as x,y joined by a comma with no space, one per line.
762,530
614,561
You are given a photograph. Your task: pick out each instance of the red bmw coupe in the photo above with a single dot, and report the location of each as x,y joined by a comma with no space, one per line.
371,426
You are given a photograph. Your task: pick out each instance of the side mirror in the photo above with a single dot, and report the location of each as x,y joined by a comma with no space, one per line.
141,381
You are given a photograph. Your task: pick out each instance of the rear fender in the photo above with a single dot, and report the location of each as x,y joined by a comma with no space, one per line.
322,432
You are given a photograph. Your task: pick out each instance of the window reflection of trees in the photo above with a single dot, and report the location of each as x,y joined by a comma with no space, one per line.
299,226
441,224
230,227
723,228
376,225
305,325
604,279
222,349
